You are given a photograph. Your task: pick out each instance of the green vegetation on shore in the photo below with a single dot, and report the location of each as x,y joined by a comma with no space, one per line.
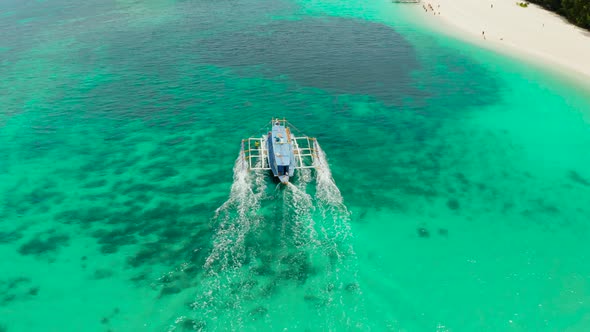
576,11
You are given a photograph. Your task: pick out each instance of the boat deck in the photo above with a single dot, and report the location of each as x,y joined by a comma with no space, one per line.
281,146
256,153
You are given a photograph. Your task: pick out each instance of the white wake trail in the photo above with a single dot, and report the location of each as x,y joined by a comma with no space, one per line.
237,218
329,198
337,236
303,225
312,231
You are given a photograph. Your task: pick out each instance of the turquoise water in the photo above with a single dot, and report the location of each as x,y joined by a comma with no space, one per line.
463,177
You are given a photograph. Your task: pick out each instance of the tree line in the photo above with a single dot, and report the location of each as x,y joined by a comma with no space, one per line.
576,11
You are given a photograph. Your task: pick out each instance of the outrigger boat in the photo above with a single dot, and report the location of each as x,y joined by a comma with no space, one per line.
279,151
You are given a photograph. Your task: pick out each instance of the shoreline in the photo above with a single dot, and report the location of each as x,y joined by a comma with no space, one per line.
532,34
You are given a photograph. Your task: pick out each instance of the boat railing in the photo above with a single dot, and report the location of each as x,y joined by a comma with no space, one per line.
283,122
256,153
304,153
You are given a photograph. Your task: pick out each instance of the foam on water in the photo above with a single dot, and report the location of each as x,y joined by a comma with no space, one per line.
327,192
314,235
337,236
303,225
332,207
236,217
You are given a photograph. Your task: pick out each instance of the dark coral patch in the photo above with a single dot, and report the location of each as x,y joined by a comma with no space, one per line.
271,288
577,178
461,178
352,287
148,254
8,298
8,237
172,234
453,204
164,211
163,173
108,249
299,268
111,241
176,140
102,274
258,312
443,232
263,270
33,291
140,277
41,195
95,184
14,289
169,290
16,282
42,244
139,188
385,72
84,216
545,207
192,325
314,300
423,232
310,298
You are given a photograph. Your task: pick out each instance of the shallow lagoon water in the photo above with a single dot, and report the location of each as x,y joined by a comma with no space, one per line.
464,175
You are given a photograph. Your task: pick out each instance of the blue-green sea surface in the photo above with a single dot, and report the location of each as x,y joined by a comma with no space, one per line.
453,194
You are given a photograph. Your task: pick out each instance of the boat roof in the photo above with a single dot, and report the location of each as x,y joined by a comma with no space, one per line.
281,147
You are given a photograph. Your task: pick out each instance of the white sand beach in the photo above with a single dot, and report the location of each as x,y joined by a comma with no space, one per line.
532,32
